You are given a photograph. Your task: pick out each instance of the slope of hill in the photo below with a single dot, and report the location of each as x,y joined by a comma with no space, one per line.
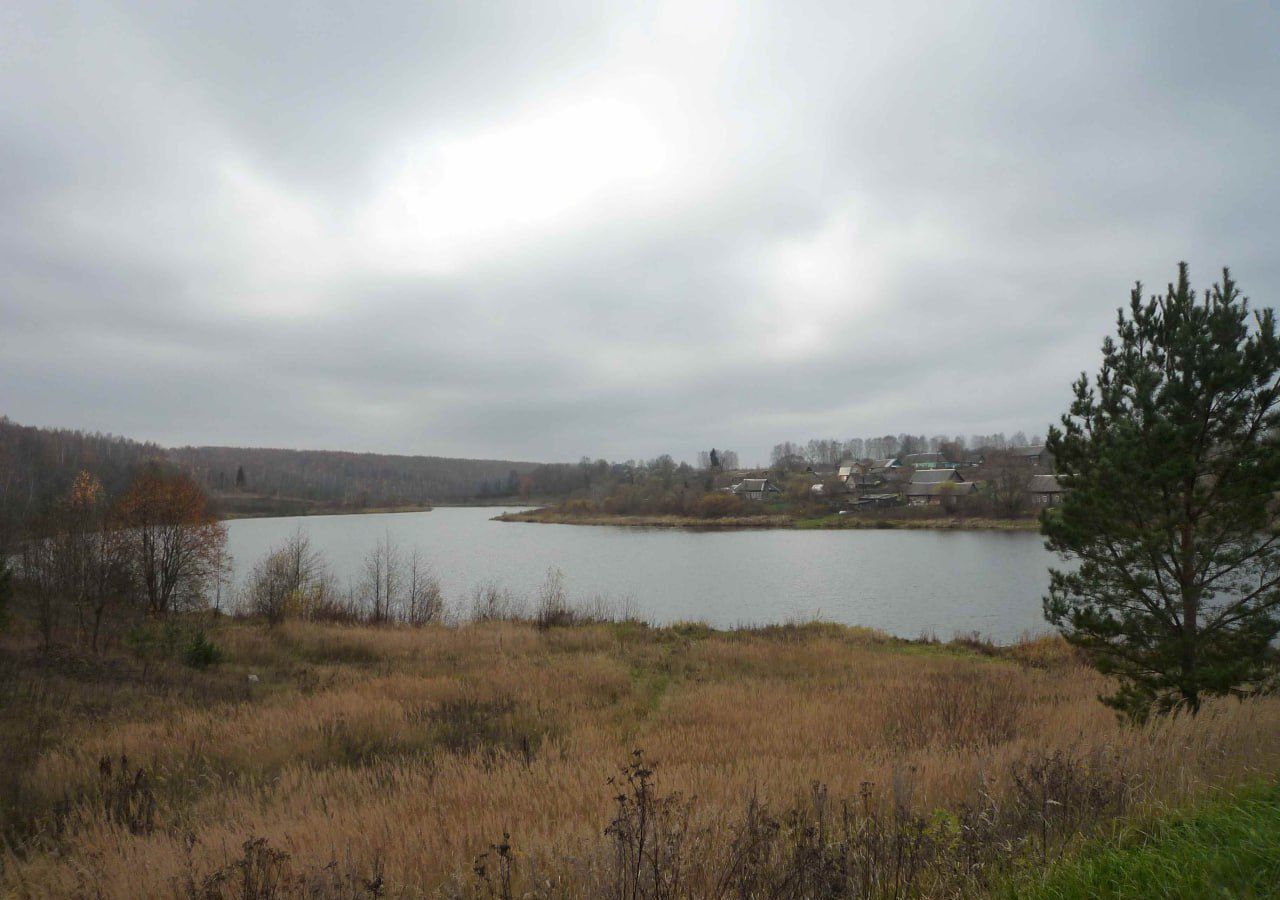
243,478
37,465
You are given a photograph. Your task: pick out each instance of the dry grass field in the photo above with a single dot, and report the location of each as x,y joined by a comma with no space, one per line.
325,760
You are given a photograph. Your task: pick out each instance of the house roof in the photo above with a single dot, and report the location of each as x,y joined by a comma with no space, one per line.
1035,450
755,484
935,476
914,459
884,463
1046,484
932,489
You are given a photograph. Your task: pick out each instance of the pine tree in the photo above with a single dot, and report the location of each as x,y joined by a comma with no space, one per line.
1172,463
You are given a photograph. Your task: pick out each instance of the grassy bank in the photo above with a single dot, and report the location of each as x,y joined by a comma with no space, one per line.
553,516
1230,848
944,523
362,761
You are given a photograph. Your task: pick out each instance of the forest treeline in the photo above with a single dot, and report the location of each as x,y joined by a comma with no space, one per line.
347,480
39,465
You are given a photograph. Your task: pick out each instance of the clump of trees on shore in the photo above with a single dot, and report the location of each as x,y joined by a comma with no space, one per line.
91,562
293,581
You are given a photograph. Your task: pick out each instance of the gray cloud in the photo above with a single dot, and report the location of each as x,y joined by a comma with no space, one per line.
547,231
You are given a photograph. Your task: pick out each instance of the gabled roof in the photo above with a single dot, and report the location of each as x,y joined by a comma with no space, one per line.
753,485
889,463
1046,484
937,488
914,459
935,476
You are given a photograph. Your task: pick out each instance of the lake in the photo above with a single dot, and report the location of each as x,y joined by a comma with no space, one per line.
907,582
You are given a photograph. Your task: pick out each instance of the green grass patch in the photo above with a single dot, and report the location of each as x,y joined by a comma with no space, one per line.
1228,849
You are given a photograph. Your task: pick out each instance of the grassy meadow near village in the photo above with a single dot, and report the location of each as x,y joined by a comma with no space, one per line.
798,450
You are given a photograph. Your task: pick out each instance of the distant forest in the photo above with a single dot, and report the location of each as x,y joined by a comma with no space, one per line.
349,480
38,466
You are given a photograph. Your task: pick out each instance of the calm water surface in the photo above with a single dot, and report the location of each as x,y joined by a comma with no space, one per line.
905,582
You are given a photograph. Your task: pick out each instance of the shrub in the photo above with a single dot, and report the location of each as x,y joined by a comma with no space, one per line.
333,609
580,506
553,602
125,795
490,603
717,505
154,640
262,872
289,581
200,652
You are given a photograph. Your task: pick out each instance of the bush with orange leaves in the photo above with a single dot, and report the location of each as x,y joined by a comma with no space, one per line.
177,542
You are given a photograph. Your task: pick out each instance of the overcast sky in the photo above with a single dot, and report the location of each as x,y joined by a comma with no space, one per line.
545,230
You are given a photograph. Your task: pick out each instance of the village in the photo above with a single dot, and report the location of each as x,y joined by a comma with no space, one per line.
1011,482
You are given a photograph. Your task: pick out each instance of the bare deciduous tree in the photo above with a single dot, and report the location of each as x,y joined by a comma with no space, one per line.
176,541
424,598
1008,479
287,580
383,579
104,579
80,563
553,601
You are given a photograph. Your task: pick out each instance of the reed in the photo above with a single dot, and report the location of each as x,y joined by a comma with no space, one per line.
392,761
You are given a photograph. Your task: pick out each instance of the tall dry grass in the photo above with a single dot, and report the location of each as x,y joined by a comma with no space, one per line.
386,761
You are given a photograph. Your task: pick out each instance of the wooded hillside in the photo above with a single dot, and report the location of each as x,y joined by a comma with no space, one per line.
347,479
38,466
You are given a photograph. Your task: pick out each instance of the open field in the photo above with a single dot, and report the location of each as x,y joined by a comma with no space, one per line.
385,761
554,516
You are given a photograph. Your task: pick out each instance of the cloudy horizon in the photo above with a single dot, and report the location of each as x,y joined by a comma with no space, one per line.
542,231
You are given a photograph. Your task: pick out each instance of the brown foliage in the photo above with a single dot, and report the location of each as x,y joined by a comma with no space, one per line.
177,541
717,505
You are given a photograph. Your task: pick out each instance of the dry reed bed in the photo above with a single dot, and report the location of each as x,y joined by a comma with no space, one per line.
418,748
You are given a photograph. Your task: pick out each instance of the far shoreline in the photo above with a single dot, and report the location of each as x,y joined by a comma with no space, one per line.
328,511
544,516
